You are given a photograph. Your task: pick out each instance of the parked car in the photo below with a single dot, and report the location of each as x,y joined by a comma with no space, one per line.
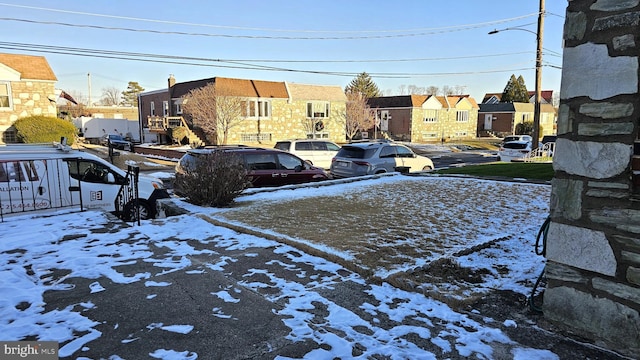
548,139
117,141
367,158
514,150
265,167
315,152
511,138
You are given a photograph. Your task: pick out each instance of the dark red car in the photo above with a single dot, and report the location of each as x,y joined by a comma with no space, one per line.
265,167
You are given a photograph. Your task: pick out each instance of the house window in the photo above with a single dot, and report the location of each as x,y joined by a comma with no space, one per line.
526,117
5,98
462,116
318,109
153,109
255,137
178,109
460,134
257,109
9,136
430,115
429,135
322,135
165,108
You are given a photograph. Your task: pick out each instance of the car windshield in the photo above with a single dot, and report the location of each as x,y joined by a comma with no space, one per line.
355,152
515,145
115,137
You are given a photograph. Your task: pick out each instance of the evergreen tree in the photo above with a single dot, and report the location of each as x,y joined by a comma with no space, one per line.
522,94
515,90
364,85
130,96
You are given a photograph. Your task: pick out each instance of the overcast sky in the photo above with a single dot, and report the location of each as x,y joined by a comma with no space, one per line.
423,42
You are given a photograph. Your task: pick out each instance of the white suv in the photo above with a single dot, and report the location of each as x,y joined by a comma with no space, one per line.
316,152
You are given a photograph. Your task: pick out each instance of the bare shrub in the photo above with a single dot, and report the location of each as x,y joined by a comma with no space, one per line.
214,179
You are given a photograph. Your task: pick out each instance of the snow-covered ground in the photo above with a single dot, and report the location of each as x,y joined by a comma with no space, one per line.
42,254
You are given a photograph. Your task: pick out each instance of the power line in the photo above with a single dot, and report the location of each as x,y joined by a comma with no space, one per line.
263,37
264,29
232,64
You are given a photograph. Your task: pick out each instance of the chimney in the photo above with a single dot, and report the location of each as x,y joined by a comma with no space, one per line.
172,81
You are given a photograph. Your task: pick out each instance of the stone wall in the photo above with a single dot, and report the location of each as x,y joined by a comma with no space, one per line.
28,98
593,244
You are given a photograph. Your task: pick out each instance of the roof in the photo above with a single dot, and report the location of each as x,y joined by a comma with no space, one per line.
547,95
30,67
407,101
235,87
316,92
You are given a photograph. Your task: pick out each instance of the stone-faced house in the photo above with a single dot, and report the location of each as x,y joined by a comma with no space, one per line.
500,119
273,110
27,87
426,118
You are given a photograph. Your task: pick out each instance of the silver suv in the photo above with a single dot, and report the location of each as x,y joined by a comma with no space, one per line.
370,158
316,152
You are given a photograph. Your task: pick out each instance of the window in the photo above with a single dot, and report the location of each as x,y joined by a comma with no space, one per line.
462,116
165,108
388,152
303,145
318,109
429,135
431,115
178,109
153,109
16,170
93,172
322,135
255,137
257,109
260,161
289,162
5,98
9,136
526,117
404,152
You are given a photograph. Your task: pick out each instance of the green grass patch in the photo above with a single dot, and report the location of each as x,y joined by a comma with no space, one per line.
537,171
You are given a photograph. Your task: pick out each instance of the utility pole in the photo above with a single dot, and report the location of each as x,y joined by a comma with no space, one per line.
538,96
89,83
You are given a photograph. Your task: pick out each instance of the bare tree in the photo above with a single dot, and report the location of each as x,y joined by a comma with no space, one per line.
110,96
215,110
358,116
432,90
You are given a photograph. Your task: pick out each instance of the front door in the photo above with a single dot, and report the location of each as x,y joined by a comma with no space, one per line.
488,121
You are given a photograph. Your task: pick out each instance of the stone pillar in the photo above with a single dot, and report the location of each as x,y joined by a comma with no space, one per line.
593,243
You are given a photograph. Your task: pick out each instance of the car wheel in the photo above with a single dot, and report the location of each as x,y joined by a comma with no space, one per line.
144,208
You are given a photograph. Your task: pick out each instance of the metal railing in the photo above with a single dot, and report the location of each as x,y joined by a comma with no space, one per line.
543,153
37,184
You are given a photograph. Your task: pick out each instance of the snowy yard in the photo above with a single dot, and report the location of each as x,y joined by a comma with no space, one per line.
394,227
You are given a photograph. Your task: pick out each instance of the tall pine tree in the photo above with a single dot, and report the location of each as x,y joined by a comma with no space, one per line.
515,91
130,96
364,85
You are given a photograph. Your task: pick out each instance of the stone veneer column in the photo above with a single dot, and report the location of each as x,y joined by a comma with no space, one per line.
593,244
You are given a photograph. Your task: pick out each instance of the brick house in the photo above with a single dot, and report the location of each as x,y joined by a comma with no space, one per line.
27,87
274,110
500,119
426,118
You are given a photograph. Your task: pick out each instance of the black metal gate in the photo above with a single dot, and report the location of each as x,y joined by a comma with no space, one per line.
126,203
